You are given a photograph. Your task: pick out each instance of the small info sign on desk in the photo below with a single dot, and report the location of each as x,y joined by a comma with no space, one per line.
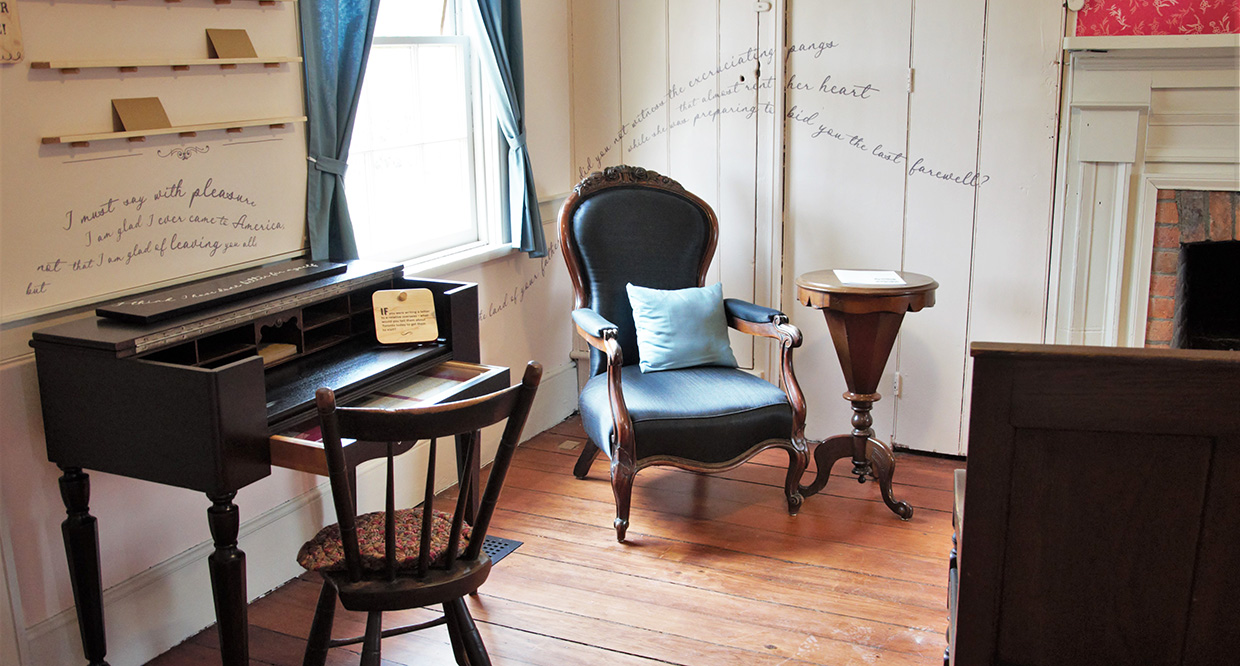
405,315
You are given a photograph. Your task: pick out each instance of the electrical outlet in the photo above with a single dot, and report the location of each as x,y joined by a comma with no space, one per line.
897,384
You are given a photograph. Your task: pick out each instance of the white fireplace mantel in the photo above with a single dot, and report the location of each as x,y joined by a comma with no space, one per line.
1146,114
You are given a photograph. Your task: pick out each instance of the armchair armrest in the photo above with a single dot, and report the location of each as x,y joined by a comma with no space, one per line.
591,324
750,312
766,322
601,334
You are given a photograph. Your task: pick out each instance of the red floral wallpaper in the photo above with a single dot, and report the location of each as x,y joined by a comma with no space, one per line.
1158,17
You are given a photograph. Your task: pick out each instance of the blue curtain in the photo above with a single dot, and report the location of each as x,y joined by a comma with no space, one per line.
502,59
336,36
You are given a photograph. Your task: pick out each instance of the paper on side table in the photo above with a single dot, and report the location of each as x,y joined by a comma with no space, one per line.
869,278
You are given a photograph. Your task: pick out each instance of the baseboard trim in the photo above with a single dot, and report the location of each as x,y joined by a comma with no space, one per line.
179,588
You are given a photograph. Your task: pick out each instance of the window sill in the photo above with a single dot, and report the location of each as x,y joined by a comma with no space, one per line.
440,265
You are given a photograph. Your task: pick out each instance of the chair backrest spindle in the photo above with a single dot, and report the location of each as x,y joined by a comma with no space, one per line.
464,491
428,509
342,492
389,521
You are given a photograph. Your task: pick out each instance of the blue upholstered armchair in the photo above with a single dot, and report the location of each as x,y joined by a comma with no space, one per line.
628,228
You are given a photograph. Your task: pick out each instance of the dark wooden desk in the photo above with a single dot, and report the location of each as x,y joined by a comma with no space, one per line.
864,321
194,399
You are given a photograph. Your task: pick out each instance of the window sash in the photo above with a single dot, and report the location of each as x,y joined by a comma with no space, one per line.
381,234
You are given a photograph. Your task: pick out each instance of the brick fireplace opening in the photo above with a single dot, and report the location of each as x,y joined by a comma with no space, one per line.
1195,276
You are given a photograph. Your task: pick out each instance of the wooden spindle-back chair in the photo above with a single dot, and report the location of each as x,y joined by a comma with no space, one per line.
381,561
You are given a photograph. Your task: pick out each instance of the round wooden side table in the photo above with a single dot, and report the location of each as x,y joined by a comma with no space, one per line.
864,320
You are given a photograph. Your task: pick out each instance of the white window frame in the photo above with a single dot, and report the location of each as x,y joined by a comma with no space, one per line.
488,166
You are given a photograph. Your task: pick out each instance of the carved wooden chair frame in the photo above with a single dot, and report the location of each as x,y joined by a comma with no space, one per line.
624,462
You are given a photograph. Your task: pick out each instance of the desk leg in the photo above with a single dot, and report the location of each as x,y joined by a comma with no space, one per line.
80,532
227,566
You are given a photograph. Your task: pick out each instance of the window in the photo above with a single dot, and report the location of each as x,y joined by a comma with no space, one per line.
422,180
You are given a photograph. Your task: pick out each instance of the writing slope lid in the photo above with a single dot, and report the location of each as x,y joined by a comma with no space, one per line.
120,337
184,299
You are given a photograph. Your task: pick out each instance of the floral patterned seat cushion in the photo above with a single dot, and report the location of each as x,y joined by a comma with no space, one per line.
325,552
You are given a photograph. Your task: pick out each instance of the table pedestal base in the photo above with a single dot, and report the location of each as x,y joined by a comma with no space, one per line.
872,458
879,457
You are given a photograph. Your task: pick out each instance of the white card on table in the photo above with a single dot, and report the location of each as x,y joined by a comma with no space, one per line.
869,278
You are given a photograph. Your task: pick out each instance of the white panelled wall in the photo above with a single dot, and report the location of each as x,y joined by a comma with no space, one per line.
676,87
911,134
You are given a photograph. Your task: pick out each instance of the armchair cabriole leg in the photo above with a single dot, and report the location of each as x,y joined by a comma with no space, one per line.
622,488
798,461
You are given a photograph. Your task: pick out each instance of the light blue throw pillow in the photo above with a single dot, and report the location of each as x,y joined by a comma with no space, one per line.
680,328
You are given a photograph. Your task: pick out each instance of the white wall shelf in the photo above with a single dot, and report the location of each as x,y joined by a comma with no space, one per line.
75,66
83,140
1220,43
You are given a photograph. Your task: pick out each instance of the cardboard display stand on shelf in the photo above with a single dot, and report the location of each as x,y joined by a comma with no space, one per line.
223,43
138,113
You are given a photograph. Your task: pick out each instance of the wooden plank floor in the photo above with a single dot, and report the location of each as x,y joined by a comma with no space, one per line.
714,572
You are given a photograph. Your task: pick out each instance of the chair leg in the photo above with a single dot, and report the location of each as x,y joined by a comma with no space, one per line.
588,454
798,461
370,642
474,649
622,488
454,635
321,627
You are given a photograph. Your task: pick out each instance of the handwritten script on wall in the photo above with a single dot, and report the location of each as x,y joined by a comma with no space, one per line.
531,275
179,222
701,99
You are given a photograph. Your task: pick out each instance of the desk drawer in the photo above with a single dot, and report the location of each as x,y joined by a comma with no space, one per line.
452,380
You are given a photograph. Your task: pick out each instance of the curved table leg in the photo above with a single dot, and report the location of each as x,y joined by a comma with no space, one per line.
882,457
880,464
826,452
